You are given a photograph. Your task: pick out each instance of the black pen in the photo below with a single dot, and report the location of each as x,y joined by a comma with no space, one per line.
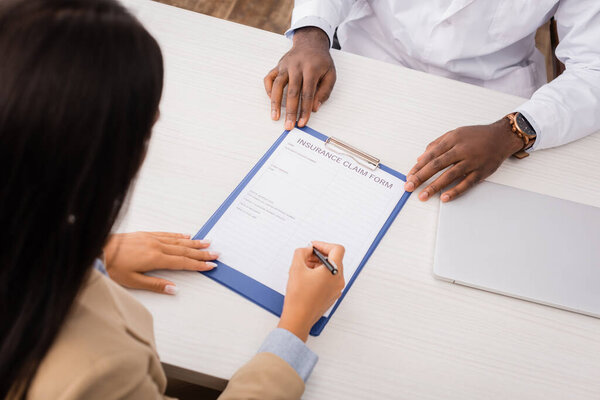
325,261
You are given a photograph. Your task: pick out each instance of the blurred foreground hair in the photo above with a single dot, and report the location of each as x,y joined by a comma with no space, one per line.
80,84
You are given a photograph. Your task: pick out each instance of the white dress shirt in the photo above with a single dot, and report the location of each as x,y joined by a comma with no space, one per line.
483,42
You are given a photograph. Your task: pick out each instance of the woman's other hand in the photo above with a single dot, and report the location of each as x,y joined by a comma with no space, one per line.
129,255
311,288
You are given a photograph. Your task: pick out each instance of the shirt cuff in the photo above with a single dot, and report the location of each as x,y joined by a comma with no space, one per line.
312,21
292,350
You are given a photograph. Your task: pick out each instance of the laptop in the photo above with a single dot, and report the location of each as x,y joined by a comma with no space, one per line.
522,244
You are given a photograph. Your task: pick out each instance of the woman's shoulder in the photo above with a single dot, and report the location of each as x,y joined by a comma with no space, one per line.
104,349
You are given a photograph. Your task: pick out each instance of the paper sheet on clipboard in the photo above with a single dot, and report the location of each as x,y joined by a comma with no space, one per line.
305,191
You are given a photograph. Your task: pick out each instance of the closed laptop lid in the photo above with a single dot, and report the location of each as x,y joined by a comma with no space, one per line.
522,244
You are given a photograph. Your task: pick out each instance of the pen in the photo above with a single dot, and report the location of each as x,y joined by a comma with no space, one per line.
325,261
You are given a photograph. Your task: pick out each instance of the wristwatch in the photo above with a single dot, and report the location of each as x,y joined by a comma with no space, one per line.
523,129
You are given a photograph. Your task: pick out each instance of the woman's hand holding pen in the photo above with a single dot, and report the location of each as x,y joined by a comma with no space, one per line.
129,255
311,288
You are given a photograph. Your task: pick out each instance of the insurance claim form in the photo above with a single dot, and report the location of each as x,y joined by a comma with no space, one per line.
305,191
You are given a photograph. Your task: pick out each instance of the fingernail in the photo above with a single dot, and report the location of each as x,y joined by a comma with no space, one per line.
318,106
423,196
211,264
214,254
170,289
190,235
309,245
445,197
289,125
203,241
409,186
273,114
302,122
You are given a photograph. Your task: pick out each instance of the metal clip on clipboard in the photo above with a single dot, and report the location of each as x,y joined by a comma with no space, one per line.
359,155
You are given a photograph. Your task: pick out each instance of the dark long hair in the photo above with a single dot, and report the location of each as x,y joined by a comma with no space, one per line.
80,84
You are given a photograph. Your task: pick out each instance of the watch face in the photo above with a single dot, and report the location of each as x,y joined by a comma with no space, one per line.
524,125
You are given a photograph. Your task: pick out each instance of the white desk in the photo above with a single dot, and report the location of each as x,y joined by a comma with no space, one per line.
399,333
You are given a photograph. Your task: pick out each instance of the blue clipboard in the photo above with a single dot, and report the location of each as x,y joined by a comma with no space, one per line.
255,291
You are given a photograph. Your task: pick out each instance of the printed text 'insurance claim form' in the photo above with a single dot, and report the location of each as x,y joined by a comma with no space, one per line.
305,191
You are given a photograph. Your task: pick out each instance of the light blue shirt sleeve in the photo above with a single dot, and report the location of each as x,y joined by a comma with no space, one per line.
99,266
292,350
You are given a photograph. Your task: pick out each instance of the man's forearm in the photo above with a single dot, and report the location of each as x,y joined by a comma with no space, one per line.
565,109
568,108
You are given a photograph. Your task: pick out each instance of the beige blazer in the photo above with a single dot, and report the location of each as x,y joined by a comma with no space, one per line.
106,350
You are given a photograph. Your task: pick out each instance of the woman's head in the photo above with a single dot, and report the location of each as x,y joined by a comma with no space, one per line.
80,83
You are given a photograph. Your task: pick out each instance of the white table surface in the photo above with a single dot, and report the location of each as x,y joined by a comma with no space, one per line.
399,333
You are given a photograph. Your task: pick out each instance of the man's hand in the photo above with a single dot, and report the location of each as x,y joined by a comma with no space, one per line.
129,255
311,288
470,153
308,71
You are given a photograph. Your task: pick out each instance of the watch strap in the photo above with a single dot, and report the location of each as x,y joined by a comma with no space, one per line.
521,154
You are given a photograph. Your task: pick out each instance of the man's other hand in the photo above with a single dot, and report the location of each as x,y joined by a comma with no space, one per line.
469,155
308,71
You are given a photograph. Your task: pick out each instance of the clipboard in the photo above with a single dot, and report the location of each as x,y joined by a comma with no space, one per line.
262,295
